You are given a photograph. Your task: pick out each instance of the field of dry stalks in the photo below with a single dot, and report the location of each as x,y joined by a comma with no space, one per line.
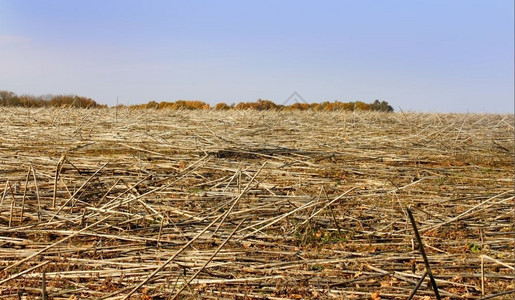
147,204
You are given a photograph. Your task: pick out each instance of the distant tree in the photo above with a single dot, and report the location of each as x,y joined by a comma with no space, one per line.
151,104
222,106
381,106
260,104
385,106
32,101
359,105
376,105
8,98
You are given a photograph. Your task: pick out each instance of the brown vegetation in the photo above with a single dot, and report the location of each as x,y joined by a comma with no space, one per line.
261,104
297,205
11,99
8,98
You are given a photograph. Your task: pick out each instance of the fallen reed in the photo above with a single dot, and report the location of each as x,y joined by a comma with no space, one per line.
106,203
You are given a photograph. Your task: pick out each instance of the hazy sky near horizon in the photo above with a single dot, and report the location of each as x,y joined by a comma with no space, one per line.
427,56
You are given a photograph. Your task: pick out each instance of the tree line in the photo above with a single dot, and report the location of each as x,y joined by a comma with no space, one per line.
8,98
261,104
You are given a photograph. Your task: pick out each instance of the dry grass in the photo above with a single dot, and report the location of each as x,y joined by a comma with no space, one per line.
104,201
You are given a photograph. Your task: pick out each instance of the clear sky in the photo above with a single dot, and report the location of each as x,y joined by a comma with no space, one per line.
427,55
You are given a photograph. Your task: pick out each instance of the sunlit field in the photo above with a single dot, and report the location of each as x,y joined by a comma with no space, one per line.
206,204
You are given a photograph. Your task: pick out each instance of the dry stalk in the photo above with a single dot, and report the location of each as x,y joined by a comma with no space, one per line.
285,172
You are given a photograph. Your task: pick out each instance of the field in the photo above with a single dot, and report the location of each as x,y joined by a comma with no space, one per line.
157,204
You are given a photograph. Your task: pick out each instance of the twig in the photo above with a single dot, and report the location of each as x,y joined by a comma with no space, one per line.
456,218
54,244
5,192
209,260
247,187
423,252
37,191
44,294
58,169
328,204
24,272
24,194
497,295
77,191
498,261
11,212
419,283
482,275
171,258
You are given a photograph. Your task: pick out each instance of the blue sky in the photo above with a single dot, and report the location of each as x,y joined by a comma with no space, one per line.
427,56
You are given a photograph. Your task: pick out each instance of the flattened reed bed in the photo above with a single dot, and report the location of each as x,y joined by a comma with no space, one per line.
98,200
